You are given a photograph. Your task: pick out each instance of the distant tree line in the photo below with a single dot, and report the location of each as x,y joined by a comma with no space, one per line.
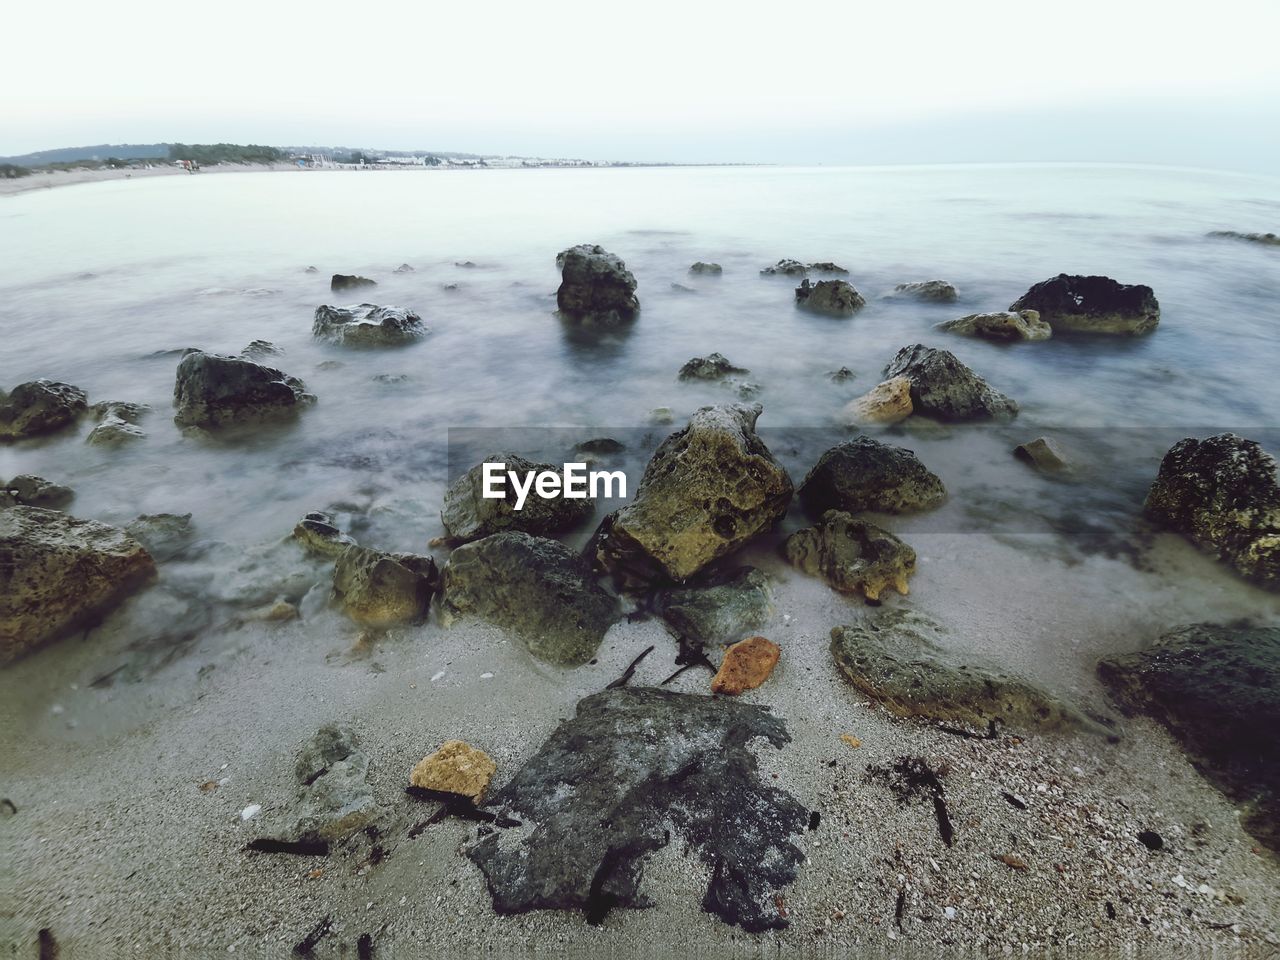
211,153
11,171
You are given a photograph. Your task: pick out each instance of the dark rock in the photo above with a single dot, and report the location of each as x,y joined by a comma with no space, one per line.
214,391
30,491
864,474
39,407
1266,239
403,268
1151,840
826,266
852,555
1222,494
344,281
368,325
708,490
384,589
901,659
927,291
1042,453
1218,692
537,588
786,268
714,269
714,367
468,515
1002,327
58,573
165,535
596,286
835,297
722,611
319,534
943,387
598,796
1076,304
843,375
466,264
599,445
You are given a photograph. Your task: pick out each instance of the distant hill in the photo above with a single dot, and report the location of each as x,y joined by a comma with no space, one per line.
121,151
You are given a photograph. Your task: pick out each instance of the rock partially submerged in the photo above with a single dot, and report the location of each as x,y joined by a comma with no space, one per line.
786,268
746,665
30,491
1218,691
1077,304
384,589
943,387
708,489
1042,453
927,291
537,588
899,658
347,281
457,768
724,610
334,798
598,797
368,325
58,573
886,402
1266,239
865,474
469,515
852,555
1006,326
39,407
713,367
319,534
1222,494
117,422
596,286
216,391
165,535
712,269
835,297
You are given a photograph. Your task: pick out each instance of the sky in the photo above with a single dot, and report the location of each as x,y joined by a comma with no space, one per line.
824,81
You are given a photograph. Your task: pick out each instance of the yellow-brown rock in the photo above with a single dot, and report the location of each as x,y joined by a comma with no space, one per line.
887,402
456,767
746,665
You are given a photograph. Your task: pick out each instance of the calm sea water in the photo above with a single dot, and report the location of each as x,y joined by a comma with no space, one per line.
99,281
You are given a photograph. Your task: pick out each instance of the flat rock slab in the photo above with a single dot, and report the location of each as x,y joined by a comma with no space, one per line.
602,792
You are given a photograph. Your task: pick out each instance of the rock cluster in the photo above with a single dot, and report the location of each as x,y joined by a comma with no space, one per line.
368,325
1077,304
943,387
865,474
596,286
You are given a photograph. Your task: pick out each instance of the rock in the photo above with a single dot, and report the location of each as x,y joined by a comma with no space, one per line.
943,387
900,659
600,795
599,446
468,515
1266,239
311,270
927,291
1075,304
39,407
114,432
58,573
596,286
662,416
843,375
344,281
1222,494
261,350
865,474
123,409
537,588
456,767
31,491
368,325
708,490
215,391
384,589
826,266
466,264
1042,453
722,611
319,534
1150,839
279,612
887,402
335,799
852,555
1217,690
1003,327
403,268
746,665
165,535
786,268
714,269
713,367
835,297
681,288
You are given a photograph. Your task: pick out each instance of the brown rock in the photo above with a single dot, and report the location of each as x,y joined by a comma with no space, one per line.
887,402
456,767
852,555
746,665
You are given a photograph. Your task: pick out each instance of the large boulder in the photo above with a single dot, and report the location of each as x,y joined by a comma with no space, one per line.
900,659
368,325
215,391
537,588
943,387
469,515
1218,691
708,489
595,286
721,611
865,474
835,297
927,291
852,555
58,573
1076,304
384,589
1222,494
635,769
1006,326
39,407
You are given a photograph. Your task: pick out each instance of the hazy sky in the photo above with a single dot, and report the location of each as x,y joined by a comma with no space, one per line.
822,81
